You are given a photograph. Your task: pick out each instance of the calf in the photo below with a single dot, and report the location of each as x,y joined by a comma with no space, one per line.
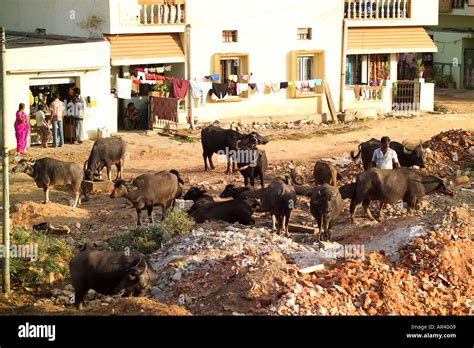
110,273
239,210
150,190
326,173
279,198
326,205
106,153
234,192
252,163
51,172
199,197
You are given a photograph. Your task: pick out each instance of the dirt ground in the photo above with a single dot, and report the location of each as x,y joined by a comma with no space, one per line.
102,217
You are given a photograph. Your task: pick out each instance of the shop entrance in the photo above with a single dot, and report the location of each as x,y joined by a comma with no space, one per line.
42,92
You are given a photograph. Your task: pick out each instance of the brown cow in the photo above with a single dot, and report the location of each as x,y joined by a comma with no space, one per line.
326,173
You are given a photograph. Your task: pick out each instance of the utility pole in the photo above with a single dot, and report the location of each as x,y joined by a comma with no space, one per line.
6,187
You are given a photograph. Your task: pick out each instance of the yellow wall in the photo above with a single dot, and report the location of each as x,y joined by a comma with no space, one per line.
267,31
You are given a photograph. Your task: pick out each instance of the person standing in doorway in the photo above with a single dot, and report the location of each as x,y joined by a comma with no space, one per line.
22,129
57,117
79,105
43,126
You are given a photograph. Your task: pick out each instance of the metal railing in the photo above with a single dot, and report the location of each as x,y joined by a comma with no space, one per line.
163,13
459,4
377,9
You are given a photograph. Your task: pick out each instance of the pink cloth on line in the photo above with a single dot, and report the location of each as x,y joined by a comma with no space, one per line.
180,88
22,128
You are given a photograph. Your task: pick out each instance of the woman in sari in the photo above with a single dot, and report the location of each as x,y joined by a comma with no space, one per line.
22,128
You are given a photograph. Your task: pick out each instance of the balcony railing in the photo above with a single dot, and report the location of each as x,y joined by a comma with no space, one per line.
162,12
377,9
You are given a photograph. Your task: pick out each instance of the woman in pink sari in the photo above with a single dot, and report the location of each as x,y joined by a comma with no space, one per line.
22,128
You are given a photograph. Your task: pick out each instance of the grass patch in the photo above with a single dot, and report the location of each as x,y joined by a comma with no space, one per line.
440,107
143,239
147,239
53,256
177,223
188,140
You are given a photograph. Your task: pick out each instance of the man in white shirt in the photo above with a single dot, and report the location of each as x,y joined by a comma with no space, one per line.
384,157
57,117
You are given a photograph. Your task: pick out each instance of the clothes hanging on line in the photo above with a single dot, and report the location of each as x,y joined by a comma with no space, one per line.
200,90
180,88
283,85
276,87
260,87
253,86
124,88
242,87
220,91
164,109
213,77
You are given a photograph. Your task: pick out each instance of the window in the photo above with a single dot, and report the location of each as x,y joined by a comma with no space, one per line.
232,67
229,36
365,69
307,66
304,34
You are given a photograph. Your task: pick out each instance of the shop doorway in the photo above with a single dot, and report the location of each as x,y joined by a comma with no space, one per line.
41,93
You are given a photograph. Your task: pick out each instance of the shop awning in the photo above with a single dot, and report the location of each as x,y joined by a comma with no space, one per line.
146,49
389,40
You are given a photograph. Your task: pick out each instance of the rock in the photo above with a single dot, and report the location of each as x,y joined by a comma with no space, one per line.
56,292
78,225
177,276
69,287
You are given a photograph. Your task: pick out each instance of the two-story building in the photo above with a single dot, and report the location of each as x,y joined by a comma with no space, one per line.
263,58
385,40
454,61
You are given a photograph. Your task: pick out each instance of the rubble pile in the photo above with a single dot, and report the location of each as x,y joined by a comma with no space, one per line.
447,152
249,271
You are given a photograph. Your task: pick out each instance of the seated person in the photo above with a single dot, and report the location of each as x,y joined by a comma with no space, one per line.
132,118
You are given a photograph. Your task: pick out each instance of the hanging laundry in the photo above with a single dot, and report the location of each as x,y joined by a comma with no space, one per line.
159,78
139,70
164,109
141,75
233,78
291,84
245,77
283,85
124,88
268,85
167,68
276,87
200,90
220,91
311,84
299,84
318,82
253,86
149,76
151,70
214,77
357,92
160,70
260,87
180,88
242,87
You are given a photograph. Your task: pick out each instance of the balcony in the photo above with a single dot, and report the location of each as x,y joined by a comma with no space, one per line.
162,12
378,9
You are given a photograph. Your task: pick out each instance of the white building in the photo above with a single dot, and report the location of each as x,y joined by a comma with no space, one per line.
268,41
58,64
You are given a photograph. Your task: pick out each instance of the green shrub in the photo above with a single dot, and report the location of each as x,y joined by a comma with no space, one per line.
141,239
440,107
177,223
53,256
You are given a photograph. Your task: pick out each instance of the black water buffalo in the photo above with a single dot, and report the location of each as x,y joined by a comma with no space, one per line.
110,273
391,186
150,190
199,197
406,158
347,191
226,142
106,153
326,205
279,198
51,172
326,173
234,192
238,210
252,163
